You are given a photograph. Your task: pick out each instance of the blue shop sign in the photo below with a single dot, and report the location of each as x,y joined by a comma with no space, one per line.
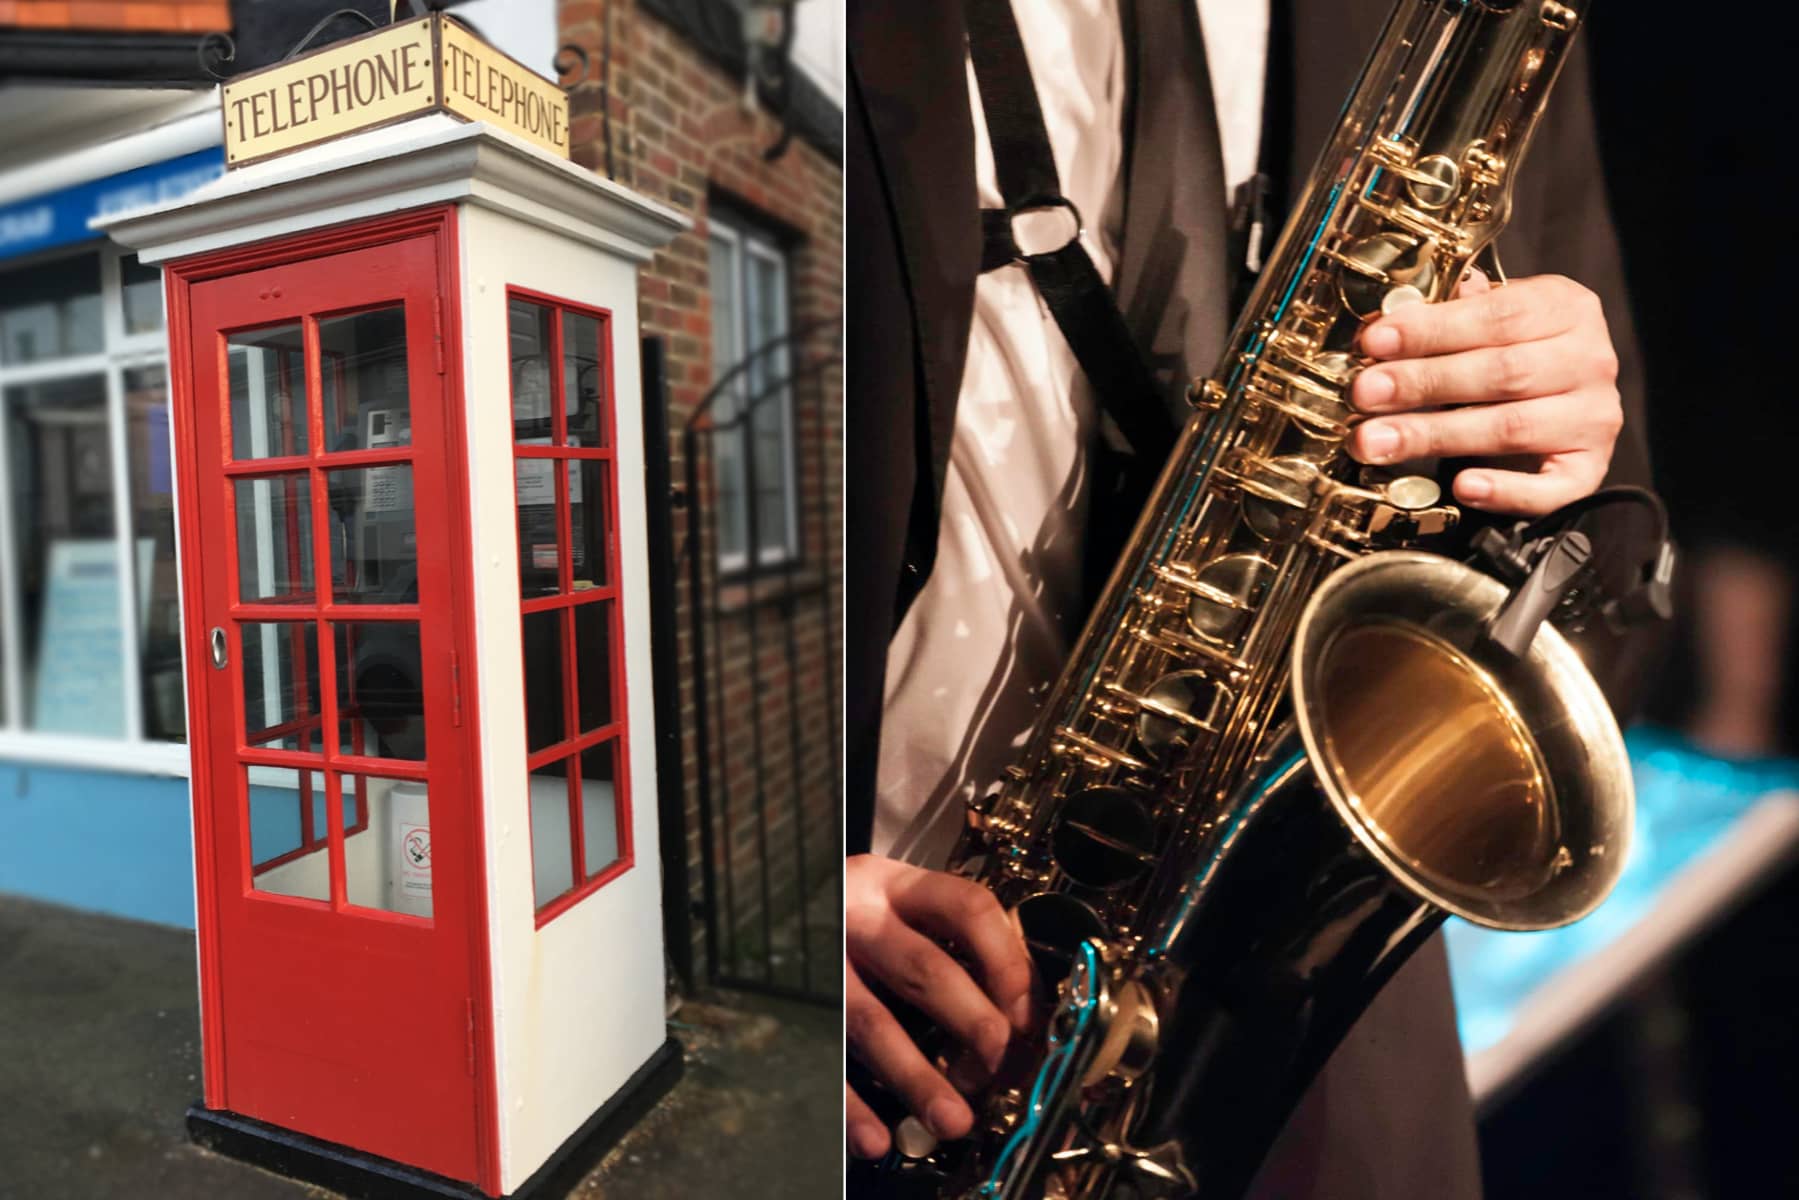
61,218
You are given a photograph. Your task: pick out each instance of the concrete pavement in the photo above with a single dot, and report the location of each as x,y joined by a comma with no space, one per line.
99,1058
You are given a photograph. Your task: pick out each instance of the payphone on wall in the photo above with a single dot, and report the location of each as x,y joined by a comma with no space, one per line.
410,483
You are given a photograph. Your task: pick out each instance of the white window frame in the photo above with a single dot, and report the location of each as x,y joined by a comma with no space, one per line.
743,241
120,352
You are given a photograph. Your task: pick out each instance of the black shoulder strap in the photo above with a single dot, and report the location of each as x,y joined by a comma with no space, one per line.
1083,307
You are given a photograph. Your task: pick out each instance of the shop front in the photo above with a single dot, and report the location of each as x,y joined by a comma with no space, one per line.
92,724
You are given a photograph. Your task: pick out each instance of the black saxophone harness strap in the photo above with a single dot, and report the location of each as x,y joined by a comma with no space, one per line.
1082,305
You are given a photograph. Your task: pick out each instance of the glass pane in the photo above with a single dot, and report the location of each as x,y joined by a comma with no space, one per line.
70,588
374,550
725,315
727,351
768,308
538,536
773,479
589,497
387,863
380,688
593,654
583,380
288,852
733,509
544,707
274,539
362,376
142,296
530,331
51,311
153,532
599,807
281,685
552,840
266,370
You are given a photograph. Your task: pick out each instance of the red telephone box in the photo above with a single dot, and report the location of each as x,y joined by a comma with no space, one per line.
411,519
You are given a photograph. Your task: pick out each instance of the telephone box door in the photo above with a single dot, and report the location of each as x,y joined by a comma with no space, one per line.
341,819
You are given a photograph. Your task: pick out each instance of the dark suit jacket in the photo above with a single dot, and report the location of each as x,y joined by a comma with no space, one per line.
1390,1116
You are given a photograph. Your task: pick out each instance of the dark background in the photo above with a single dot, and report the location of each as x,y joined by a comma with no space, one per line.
1686,1091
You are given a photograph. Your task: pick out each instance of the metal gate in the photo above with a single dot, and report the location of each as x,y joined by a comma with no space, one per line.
757,576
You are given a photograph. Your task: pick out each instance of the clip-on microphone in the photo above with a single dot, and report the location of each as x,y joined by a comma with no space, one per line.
1551,571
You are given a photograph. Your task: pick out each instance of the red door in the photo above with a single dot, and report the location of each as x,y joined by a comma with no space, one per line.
335,799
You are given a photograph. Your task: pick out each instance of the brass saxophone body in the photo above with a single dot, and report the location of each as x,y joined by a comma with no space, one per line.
1282,749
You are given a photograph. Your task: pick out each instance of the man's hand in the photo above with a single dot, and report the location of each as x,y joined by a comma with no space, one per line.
1524,372
896,920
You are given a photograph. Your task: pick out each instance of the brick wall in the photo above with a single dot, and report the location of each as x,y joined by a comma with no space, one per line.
117,16
682,135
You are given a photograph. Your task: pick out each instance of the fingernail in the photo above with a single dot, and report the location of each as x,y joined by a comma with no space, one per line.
1021,1013
946,1117
1380,340
1379,441
1373,389
966,1075
867,1142
1474,487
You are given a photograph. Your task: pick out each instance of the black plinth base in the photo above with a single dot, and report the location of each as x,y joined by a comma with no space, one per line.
364,1176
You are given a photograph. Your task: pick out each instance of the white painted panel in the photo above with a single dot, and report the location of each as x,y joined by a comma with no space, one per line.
308,876
578,1005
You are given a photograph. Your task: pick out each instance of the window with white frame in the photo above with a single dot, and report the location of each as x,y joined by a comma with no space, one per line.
90,634
753,416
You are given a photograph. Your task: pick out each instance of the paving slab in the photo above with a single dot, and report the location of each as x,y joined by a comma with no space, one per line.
100,1057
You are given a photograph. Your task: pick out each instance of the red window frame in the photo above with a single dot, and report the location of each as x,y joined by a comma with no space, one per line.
298,469
567,600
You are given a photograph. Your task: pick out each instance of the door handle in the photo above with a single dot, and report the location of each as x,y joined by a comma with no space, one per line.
219,656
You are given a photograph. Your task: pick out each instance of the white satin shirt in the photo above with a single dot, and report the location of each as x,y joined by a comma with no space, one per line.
987,636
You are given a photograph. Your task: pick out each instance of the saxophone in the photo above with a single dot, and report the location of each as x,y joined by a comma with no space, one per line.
1287,743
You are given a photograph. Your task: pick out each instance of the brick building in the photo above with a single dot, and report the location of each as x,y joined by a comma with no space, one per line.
107,105
762,180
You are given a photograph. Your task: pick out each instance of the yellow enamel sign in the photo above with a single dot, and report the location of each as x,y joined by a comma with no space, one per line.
402,71
481,84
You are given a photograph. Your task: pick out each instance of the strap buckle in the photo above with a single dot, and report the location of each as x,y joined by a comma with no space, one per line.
1028,230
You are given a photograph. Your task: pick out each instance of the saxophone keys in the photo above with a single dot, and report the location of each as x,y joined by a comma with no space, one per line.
1485,169
1176,710
1381,263
1094,753
1277,495
1225,592
1128,1048
1054,925
913,1140
1409,508
1558,16
1396,149
1103,837
1413,492
1400,297
1433,182
1206,395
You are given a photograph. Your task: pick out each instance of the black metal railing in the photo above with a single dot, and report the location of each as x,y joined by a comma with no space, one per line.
759,697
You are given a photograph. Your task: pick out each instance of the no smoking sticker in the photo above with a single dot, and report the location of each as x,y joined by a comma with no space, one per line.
415,858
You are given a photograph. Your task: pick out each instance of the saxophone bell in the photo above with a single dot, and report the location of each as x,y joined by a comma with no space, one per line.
1423,771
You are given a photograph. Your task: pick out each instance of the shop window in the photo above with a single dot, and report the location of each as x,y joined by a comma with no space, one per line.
52,311
90,621
566,491
754,442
